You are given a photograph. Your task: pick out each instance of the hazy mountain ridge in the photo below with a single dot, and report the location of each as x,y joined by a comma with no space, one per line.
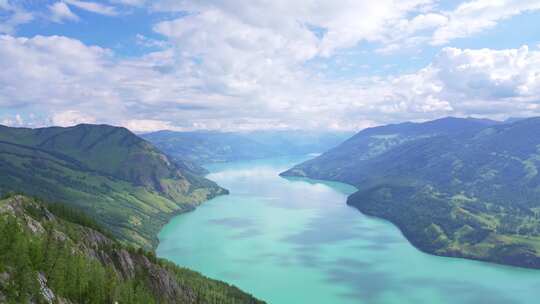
204,147
336,163
51,254
455,187
130,186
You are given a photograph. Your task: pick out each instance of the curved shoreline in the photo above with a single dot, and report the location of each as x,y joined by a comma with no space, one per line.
408,237
525,262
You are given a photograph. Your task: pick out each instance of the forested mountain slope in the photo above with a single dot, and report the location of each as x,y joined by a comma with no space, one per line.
53,254
470,191
123,181
340,163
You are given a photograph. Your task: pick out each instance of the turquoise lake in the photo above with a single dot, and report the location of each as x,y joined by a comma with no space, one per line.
295,241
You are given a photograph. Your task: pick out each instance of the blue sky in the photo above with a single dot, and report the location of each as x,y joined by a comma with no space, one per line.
309,64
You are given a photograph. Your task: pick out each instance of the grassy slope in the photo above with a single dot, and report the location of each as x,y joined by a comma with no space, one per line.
120,179
472,194
79,264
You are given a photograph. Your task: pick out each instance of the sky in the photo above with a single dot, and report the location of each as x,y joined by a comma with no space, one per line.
234,65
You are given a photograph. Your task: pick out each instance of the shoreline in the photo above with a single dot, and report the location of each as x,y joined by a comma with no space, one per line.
406,234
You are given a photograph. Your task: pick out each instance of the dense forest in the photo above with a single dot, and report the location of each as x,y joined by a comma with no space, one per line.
56,254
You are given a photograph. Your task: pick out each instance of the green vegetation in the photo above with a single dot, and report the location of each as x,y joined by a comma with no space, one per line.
122,181
455,187
75,216
47,256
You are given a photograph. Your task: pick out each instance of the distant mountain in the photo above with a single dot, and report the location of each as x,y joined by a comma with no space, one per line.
126,183
210,147
53,254
341,162
455,187
514,119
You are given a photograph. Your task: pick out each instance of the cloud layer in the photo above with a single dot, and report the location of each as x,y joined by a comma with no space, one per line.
228,67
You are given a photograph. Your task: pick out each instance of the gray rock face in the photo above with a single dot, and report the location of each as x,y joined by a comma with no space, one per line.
124,263
128,264
46,292
163,280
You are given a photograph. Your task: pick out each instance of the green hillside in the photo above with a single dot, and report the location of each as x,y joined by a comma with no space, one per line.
53,254
120,179
471,191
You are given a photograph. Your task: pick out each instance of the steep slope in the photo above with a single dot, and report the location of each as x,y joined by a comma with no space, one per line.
473,193
49,254
125,182
212,147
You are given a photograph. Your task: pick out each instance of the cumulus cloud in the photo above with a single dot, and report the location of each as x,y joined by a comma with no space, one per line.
149,125
14,121
222,66
12,15
337,25
71,118
51,69
478,15
478,78
71,82
60,12
345,23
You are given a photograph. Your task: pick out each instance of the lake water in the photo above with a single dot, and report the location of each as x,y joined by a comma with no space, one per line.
295,241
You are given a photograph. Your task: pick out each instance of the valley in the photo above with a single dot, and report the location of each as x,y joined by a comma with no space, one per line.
295,240
283,152
277,226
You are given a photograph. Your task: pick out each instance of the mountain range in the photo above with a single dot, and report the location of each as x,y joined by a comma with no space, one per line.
204,147
83,229
123,181
454,186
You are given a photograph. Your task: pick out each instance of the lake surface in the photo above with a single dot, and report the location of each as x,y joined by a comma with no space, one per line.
295,241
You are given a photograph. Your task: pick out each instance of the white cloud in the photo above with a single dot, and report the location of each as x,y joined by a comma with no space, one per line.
483,82
475,16
60,12
148,125
149,42
12,15
50,70
15,121
227,66
70,118
498,75
94,7
253,56
345,23
341,24
164,90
